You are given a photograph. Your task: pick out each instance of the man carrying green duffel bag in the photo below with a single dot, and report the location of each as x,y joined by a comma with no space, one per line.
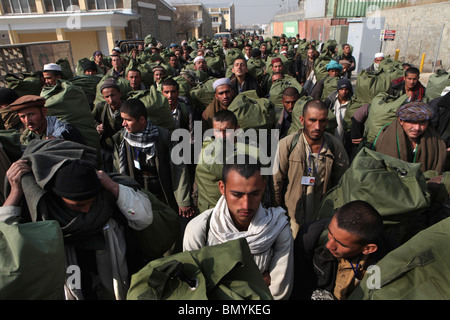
417,270
221,272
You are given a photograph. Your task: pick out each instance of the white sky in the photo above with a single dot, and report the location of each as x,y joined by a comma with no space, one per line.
248,12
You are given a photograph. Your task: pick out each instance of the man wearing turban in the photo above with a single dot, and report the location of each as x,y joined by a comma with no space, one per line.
411,138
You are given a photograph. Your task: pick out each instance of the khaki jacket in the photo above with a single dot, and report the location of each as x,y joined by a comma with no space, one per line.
288,190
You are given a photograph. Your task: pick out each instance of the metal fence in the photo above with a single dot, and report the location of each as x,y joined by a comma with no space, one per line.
413,42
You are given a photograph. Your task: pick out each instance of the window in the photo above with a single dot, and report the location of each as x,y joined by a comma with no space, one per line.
19,6
104,4
215,19
195,15
59,5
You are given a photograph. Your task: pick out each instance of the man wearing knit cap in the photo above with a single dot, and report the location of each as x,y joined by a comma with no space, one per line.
95,214
379,56
159,73
334,69
33,114
223,97
51,73
410,138
90,68
108,120
338,102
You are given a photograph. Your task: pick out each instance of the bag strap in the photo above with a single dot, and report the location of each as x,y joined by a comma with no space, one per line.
208,223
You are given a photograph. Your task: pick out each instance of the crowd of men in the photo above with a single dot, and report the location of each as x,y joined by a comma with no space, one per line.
224,199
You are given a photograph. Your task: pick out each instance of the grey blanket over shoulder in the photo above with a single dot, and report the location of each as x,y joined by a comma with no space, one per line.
45,158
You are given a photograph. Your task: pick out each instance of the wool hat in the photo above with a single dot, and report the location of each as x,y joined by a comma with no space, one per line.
276,60
256,52
89,65
27,101
379,55
415,111
76,180
97,52
158,68
52,67
334,65
344,83
117,49
109,83
221,82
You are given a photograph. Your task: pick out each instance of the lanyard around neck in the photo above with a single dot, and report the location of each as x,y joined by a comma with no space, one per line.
310,170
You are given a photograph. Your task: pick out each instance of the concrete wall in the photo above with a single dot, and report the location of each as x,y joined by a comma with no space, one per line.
156,19
424,25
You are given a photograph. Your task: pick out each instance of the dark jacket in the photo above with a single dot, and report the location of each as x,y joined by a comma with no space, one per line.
250,83
315,266
173,178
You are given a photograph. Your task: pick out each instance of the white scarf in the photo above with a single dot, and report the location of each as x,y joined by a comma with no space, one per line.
262,232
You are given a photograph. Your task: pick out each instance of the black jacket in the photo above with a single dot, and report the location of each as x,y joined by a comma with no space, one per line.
314,265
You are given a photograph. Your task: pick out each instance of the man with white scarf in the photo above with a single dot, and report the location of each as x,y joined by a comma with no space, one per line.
379,56
238,214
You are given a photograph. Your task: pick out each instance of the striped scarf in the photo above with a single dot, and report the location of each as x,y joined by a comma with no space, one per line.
144,140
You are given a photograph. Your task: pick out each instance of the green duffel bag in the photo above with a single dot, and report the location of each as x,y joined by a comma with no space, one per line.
369,84
32,261
276,92
320,66
185,86
417,270
158,109
79,70
392,67
437,83
145,70
396,188
256,68
222,272
162,233
88,83
68,102
354,104
232,54
297,112
329,86
24,84
66,68
382,111
208,171
215,63
149,39
328,43
202,94
252,111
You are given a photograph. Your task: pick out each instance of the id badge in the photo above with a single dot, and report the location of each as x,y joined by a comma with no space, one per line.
137,165
308,181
